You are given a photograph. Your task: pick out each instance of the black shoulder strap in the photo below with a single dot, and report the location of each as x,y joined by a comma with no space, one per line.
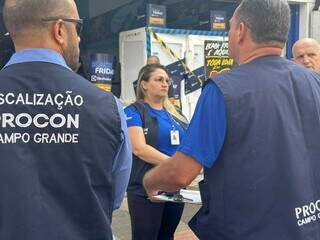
149,124
142,111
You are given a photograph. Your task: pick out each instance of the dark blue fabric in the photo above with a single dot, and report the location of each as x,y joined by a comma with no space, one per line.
140,167
165,123
207,127
57,190
153,221
265,183
154,123
122,163
157,221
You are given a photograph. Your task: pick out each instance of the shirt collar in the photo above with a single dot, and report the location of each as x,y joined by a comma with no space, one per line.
37,55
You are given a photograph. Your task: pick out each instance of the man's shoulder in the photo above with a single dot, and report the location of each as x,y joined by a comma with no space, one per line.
131,108
37,68
261,67
62,76
300,71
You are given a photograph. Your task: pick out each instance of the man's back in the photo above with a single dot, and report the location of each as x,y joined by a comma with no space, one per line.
263,182
59,136
268,167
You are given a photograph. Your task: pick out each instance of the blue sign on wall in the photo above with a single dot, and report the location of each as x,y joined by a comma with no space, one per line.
102,70
218,20
156,15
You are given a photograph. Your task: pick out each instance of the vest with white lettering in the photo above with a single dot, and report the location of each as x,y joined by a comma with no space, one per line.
265,183
55,181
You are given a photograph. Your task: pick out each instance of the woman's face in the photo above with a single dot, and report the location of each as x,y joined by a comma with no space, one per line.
158,84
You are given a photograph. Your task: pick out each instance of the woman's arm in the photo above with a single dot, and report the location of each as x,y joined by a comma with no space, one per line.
142,150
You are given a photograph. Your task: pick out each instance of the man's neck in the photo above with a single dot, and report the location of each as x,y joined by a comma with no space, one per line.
19,48
253,54
35,43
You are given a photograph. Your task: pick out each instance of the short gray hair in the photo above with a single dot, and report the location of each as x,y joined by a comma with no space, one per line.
18,15
268,20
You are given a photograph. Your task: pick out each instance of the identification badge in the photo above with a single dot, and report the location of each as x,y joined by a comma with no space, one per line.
175,139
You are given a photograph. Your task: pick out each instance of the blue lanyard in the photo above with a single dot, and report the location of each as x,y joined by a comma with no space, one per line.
172,120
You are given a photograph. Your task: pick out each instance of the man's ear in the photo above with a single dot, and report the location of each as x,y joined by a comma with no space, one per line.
243,31
59,32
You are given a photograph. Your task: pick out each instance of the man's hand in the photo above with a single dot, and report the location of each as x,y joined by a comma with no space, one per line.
151,193
173,174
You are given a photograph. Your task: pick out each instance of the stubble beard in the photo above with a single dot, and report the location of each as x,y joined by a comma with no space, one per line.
71,56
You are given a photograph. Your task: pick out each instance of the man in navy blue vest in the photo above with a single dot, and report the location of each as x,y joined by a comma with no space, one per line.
65,156
256,133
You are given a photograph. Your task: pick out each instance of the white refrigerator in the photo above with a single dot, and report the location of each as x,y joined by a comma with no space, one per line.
135,45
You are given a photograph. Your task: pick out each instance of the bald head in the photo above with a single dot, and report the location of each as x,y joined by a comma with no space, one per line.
23,16
153,60
306,52
49,24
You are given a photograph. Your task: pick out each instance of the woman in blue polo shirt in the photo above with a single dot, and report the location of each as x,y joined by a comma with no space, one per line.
156,130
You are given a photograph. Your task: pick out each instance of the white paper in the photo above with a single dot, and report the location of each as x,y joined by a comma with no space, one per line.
194,197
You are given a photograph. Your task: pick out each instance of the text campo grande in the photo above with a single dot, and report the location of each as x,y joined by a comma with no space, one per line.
308,213
16,127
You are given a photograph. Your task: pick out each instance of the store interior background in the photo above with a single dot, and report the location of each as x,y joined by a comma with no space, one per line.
104,19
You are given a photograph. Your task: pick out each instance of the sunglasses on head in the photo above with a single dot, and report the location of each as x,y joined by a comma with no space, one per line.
78,22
